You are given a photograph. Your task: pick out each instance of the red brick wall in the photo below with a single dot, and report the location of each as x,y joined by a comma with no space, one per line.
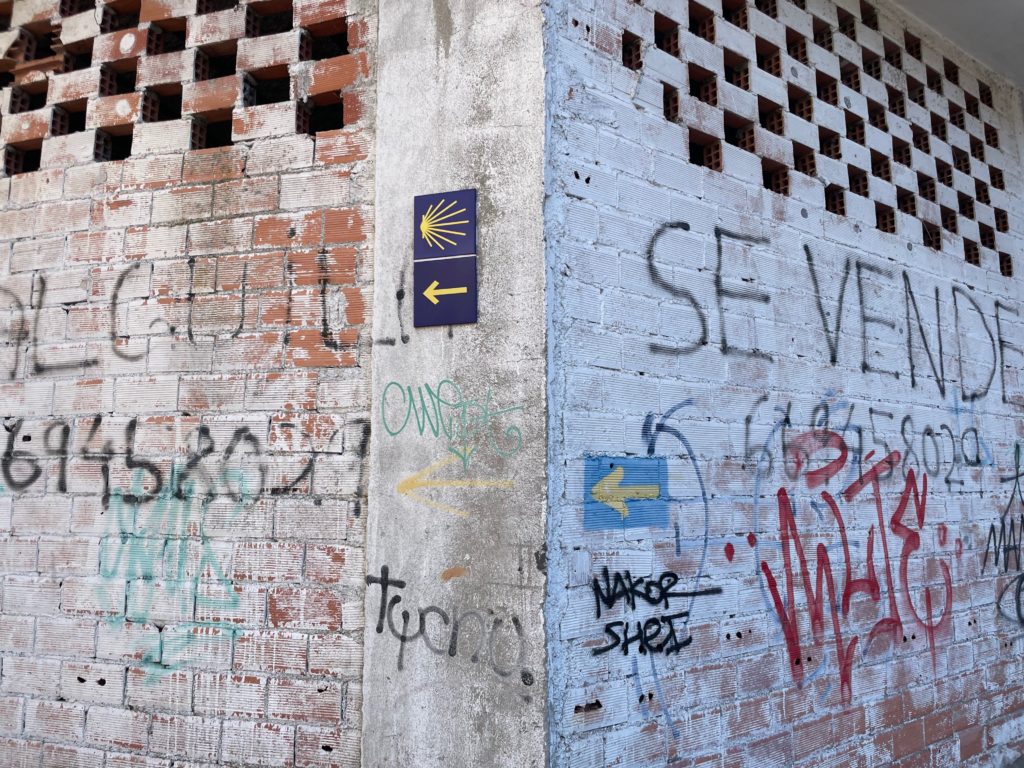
185,333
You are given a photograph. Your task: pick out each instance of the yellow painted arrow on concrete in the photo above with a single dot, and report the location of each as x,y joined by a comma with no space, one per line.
411,484
610,491
433,291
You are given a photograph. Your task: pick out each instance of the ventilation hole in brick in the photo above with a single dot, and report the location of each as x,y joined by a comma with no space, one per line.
829,144
932,236
632,51
822,34
158,107
267,19
949,219
801,103
213,6
835,199
114,82
828,89
991,136
5,20
1002,220
881,166
68,118
913,45
74,7
23,160
906,201
705,150
977,149
796,46
876,115
769,57
329,39
858,181
956,116
125,16
670,102
972,255
926,188
885,218
996,178
987,235
981,192
666,35
769,8
922,139
735,12
847,23
901,152
855,128
952,71
934,80
771,116
801,4
737,70
326,747
27,98
985,94
804,160
1006,265
775,177
739,132
966,205
944,173
961,160
110,147
872,64
868,16
326,115
915,89
207,134
971,102
939,127
893,53
215,61
268,90
703,85
160,40
702,22
897,102
850,74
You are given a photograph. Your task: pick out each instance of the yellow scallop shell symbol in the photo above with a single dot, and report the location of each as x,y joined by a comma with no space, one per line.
435,226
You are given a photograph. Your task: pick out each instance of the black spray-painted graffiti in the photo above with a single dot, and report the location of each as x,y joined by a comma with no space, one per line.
927,330
479,634
656,634
1006,544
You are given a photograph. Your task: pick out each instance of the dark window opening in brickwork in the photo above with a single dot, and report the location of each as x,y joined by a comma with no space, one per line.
850,74
893,53
632,51
775,177
961,160
956,116
801,103
847,23
915,90
966,204
835,199
872,64
323,115
207,134
885,218
158,107
952,71
906,201
922,139
259,89
703,85
855,128
881,166
702,22
706,151
931,235
18,161
926,188
996,178
215,61
822,34
796,45
74,7
769,57
32,47
801,4
944,173
972,255
110,147
1006,265
829,144
901,152
113,82
949,219
116,17
666,35
737,70
876,115
739,132
897,104
988,236
934,80
270,18
5,19
78,57
670,102
160,40
213,6
981,192
939,127
828,89
869,16
991,136
28,98
913,45
330,39
804,160
67,119
735,12
971,102
977,149
985,94
1002,220
769,8
858,181
771,116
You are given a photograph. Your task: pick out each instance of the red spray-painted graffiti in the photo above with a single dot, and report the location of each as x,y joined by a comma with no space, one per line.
800,452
